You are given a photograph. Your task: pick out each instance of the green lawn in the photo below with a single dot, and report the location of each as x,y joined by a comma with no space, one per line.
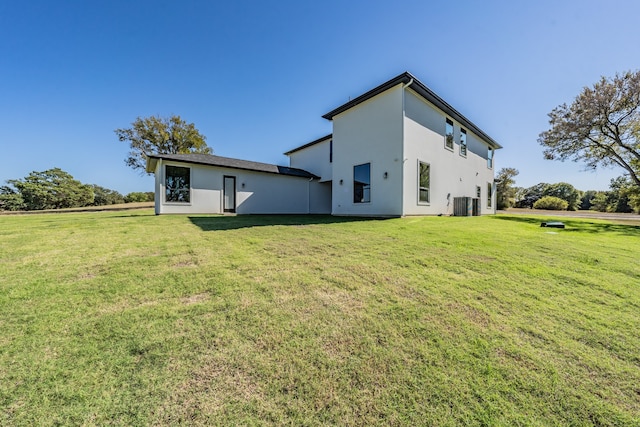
126,318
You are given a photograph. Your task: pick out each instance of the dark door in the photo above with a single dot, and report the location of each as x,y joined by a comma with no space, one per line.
229,194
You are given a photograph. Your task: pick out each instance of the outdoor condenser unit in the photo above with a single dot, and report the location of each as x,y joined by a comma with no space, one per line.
466,206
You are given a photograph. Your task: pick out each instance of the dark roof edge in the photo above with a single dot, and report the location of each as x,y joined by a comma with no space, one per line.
423,91
402,78
302,174
309,144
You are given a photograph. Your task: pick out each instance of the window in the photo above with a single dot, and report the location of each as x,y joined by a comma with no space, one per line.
489,194
331,151
424,170
448,135
362,183
478,191
463,142
490,158
177,184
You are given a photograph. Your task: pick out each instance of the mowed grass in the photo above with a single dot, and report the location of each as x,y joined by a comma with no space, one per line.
126,318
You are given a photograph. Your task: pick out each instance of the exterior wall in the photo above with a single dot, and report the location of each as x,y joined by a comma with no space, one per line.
451,175
262,193
314,159
370,132
320,197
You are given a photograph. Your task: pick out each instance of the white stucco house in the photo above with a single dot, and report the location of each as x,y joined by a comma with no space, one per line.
396,150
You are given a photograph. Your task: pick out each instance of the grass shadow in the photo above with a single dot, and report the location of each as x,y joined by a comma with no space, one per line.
576,225
219,222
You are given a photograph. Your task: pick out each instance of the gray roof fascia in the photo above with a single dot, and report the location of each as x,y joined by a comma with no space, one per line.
422,90
309,144
228,162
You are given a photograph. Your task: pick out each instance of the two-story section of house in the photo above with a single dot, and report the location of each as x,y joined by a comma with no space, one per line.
396,150
400,149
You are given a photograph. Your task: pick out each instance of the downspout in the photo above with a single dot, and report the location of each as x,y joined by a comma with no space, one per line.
309,195
402,148
159,180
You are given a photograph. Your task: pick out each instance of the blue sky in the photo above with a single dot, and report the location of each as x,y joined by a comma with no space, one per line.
256,76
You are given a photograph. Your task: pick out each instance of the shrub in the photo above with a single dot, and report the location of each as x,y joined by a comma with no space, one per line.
138,196
552,203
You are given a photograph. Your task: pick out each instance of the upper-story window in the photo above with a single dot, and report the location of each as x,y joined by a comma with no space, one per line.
463,142
362,183
490,158
330,150
448,135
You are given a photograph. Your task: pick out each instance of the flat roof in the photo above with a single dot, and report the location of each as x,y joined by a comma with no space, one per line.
422,90
228,162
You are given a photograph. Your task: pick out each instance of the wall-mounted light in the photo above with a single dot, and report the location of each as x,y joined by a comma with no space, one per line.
242,185
340,182
385,175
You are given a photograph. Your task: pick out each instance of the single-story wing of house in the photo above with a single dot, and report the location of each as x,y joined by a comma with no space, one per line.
396,150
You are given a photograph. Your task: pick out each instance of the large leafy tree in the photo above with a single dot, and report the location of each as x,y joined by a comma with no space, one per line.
505,192
601,127
528,196
566,192
51,189
160,135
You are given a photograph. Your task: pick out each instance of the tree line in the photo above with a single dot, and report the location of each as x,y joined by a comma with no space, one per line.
601,128
623,195
57,189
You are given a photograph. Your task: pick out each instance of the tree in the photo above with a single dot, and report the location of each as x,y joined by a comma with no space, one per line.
52,189
505,192
159,135
623,196
10,199
531,195
599,202
601,127
586,199
103,196
619,192
564,191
